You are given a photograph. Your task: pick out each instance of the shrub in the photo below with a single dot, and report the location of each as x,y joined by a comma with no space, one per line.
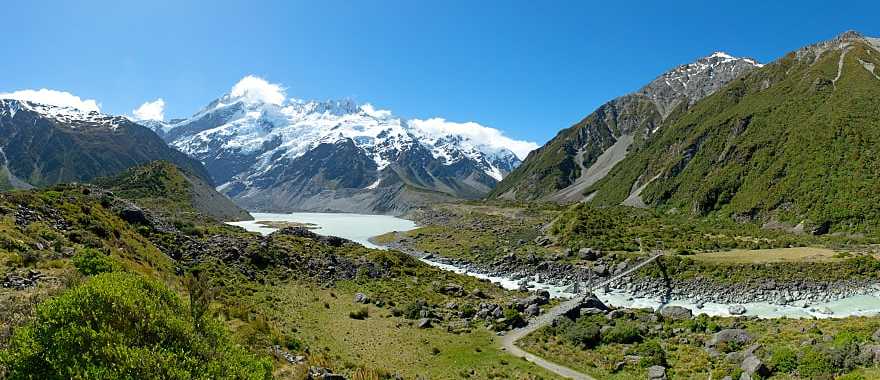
90,261
783,359
514,318
814,363
622,332
467,310
413,310
361,313
120,325
651,353
582,333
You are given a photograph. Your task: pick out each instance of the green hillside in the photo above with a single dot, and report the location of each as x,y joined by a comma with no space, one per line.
792,142
162,186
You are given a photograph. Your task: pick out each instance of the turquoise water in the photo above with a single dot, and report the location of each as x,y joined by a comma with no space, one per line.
355,227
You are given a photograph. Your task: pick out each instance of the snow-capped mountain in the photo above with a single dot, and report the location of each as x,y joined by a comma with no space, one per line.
694,81
287,154
44,144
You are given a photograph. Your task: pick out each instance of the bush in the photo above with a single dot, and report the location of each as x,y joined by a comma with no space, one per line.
783,359
120,325
651,353
413,310
90,261
467,310
513,318
361,313
582,333
622,332
815,363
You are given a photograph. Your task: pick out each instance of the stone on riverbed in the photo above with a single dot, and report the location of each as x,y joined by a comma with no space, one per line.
736,309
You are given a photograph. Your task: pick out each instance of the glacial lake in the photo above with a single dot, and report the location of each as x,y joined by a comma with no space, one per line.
360,228
355,227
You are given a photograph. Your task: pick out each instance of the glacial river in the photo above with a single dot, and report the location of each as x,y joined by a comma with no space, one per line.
360,227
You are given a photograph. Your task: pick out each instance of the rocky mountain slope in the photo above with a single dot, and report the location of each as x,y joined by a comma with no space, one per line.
584,153
793,142
332,156
159,185
43,145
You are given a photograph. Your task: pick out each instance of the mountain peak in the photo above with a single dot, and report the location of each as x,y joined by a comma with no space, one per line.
849,35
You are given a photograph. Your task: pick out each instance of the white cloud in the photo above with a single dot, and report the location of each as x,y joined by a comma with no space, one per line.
258,90
372,111
479,134
154,110
53,98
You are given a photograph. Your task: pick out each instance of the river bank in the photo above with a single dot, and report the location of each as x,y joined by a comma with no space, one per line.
791,300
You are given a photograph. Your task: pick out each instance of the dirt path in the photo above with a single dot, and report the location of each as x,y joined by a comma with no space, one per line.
508,342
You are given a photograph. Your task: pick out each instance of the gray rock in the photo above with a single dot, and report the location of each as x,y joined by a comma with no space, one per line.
134,215
532,310
870,353
590,311
498,313
424,323
614,314
452,289
676,313
729,336
736,309
876,336
361,298
656,373
587,254
752,365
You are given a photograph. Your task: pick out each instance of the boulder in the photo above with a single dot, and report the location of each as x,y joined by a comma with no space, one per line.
361,298
614,314
588,303
452,289
590,311
587,254
424,323
498,312
736,309
870,353
876,335
532,310
134,215
536,300
657,372
739,337
753,366
676,313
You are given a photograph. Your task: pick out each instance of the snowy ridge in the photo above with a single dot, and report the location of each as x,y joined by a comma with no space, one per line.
68,116
694,81
278,133
681,76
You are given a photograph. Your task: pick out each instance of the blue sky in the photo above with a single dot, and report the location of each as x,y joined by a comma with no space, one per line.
528,68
